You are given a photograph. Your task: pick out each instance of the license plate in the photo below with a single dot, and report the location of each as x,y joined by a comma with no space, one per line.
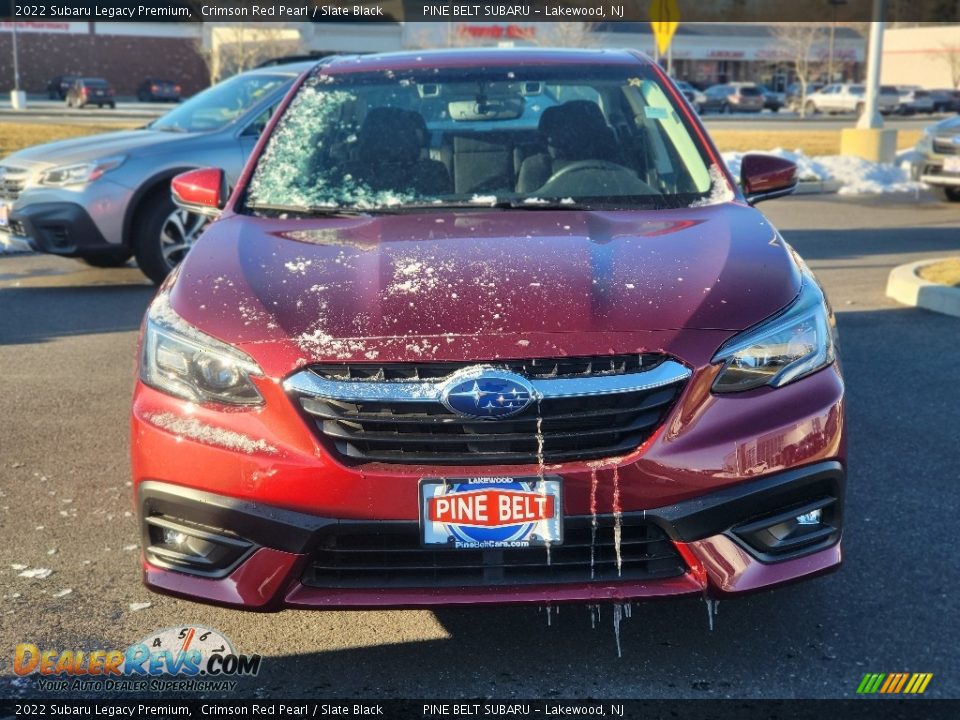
951,165
491,512
4,215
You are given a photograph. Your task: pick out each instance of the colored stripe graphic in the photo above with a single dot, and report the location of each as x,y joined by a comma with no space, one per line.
894,683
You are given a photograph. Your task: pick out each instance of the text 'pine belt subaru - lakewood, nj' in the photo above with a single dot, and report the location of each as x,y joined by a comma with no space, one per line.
487,326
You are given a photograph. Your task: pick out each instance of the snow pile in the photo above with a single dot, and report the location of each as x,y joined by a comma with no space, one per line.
857,176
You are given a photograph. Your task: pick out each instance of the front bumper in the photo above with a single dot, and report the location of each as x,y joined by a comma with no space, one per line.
272,568
59,228
717,466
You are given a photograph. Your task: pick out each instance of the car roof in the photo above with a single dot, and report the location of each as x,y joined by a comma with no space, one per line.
293,68
468,57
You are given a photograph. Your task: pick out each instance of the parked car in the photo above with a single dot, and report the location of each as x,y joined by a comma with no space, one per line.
58,86
156,90
694,97
103,198
733,97
938,163
772,100
945,100
850,97
90,91
371,385
914,99
794,94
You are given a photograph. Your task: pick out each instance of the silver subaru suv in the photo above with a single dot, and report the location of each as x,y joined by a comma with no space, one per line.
105,198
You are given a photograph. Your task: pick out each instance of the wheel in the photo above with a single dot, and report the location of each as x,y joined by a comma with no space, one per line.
950,194
166,235
143,97
108,260
112,105
810,107
725,109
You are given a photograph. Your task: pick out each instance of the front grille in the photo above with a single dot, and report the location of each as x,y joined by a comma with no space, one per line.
599,420
944,146
388,554
12,182
537,368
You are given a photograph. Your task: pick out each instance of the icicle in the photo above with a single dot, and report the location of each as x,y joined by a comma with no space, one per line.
593,520
540,470
593,617
617,617
711,611
628,610
617,519
549,620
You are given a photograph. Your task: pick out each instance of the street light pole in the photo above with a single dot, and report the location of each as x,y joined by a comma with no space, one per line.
16,60
870,119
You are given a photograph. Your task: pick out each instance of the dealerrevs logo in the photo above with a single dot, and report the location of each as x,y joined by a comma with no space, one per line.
181,659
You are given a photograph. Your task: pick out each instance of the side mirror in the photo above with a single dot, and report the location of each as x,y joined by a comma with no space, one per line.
203,191
764,177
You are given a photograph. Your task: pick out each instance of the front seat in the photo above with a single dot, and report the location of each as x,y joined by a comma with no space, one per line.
573,131
389,155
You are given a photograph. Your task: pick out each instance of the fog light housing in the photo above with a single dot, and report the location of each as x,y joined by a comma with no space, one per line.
179,544
793,531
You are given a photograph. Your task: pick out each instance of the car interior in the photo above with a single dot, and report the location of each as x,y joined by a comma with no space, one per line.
513,140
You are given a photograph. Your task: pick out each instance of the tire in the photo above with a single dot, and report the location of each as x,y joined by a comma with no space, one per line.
949,194
725,109
810,107
108,260
166,234
112,106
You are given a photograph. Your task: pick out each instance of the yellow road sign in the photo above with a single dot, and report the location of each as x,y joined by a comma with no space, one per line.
664,19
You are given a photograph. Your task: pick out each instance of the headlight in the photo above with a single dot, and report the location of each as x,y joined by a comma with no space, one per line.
180,360
792,344
81,173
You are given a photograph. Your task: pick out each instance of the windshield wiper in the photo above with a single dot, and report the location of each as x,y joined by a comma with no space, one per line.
307,211
496,205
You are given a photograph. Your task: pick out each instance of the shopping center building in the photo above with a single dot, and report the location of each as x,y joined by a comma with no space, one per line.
126,53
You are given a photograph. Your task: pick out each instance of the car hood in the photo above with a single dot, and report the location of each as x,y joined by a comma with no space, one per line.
89,147
486,283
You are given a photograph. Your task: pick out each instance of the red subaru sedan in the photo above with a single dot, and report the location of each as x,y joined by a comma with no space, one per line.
487,326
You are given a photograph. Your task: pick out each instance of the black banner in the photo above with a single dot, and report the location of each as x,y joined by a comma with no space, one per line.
863,709
475,10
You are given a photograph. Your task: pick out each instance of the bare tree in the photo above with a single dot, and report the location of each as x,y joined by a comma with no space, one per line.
802,45
567,34
951,56
229,49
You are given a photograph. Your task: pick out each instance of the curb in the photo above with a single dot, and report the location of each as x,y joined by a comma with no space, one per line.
816,187
908,288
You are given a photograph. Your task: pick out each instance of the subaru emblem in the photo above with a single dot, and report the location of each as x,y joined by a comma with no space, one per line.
487,393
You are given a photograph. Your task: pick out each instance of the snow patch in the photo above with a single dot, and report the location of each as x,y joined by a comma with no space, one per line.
857,176
37,573
208,434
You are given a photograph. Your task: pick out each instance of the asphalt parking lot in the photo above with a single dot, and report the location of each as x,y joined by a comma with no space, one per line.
67,336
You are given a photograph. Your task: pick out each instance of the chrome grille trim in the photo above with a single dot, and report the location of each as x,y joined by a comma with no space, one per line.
404,421
306,382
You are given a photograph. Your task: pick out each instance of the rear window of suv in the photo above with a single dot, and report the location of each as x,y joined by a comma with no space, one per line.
749,91
599,136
